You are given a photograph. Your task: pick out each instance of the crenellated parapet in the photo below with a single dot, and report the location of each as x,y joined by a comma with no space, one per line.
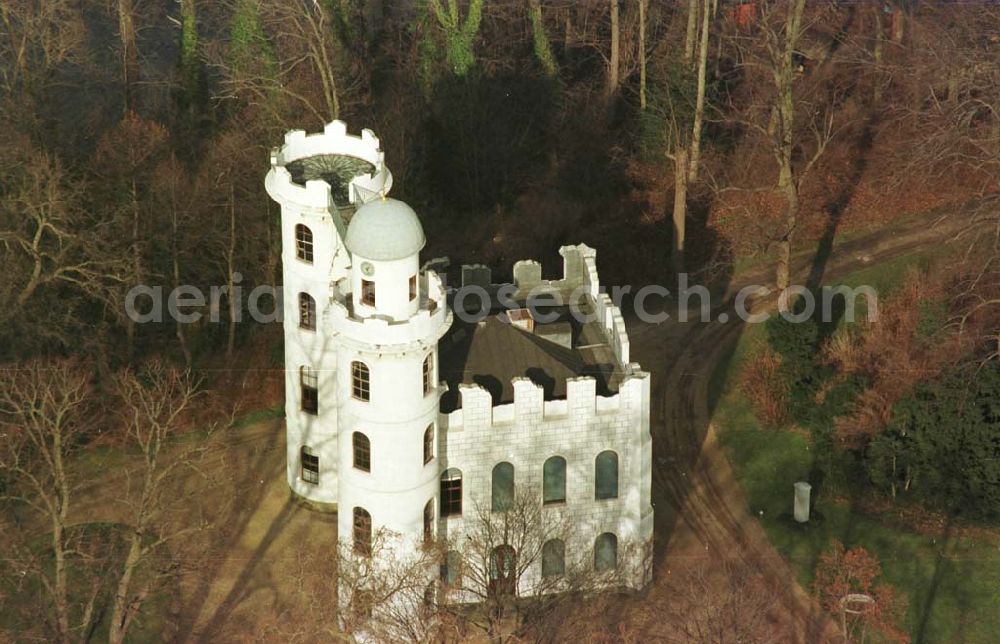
314,196
579,280
582,402
428,324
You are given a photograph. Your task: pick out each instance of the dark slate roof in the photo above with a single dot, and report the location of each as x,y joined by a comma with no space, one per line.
491,353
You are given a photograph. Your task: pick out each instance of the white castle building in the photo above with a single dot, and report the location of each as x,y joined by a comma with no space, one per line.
403,416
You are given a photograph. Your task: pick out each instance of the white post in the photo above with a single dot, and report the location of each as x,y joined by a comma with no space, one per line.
802,490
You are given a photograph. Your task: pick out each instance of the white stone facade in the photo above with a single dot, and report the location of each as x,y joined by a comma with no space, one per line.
395,337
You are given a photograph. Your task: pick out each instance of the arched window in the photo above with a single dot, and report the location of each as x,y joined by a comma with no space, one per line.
451,492
309,386
428,373
606,552
429,522
360,381
362,532
413,287
606,475
554,480
503,570
309,465
554,558
451,569
503,486
429,444
303,243
362,452
307,312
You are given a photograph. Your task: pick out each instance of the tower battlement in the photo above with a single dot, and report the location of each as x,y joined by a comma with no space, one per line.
303,169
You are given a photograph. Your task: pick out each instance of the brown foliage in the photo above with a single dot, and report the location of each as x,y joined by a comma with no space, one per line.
892,354
841,573
765,389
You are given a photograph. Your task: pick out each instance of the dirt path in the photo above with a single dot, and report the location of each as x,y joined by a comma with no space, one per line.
701,513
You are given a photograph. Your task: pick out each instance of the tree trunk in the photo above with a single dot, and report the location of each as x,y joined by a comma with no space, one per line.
787,181
568,39
543,49
788,187
953,86
59,517
60,586
130,58
614,58
692,30
680,208
121,613
699,109
231,273
136,263
175,259
642,53
897,25
877,56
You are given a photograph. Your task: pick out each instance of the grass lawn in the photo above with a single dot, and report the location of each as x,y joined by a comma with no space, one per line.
952,584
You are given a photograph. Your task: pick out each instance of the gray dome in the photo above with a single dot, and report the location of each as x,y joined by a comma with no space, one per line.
384,230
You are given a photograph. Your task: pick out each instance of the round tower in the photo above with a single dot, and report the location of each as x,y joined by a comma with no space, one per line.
318,180
387,326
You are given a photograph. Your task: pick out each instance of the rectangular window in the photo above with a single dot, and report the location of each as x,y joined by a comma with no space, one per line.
362,452
368,292
413,287
303,243
310,466
428,374
429,522
451,495
360,381
429,444
307,312
362,532
309,382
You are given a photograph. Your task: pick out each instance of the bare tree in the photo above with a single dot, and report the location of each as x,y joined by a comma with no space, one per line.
699,109
614,57
125,12
173,180
300,58
155,402
47,240
691,30
771,56
35,39
956,126
500,556
643,10
44,413
126,156
718,603
386,596
225,195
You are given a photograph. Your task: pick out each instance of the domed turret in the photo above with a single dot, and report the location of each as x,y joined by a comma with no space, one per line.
385,238
385,230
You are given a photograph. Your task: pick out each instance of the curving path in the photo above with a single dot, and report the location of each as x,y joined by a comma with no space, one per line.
701,513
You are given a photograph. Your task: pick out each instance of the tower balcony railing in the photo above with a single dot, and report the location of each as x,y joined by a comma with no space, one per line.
427,323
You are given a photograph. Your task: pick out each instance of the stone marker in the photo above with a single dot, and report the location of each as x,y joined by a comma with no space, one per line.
802,490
